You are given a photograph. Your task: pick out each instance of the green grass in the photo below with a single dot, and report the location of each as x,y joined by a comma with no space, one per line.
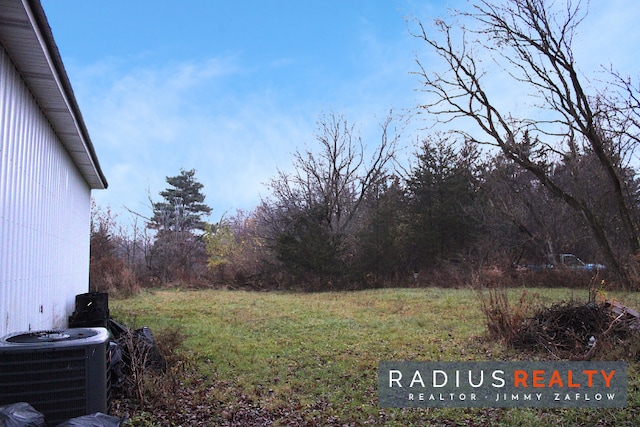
318,353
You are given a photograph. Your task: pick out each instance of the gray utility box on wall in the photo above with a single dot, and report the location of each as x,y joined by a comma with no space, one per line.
63,374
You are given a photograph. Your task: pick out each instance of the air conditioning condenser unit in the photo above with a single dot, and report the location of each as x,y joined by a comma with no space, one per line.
63,374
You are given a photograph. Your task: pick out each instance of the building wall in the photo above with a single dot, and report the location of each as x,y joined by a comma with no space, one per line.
44,215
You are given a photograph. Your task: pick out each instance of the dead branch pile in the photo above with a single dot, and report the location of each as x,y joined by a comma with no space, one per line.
578,331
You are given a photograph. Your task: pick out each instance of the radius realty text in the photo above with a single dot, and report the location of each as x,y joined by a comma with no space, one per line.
502,384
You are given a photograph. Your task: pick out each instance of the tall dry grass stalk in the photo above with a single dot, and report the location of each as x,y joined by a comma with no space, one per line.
504,319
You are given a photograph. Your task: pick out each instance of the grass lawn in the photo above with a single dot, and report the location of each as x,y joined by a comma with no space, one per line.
312,359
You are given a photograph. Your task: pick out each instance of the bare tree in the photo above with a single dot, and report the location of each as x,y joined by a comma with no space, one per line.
530,40
337,177
314,207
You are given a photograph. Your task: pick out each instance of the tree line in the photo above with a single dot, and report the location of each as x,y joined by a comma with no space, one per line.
507,190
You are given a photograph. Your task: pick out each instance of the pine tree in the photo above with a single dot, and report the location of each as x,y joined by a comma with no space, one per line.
440,190
183,206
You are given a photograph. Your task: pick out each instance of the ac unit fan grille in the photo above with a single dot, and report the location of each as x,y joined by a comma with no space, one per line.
52,382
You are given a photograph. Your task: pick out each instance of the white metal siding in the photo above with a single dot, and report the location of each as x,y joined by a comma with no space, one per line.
44,215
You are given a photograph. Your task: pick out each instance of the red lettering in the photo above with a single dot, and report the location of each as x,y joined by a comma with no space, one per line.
589,373
607,378
538,378
520,377
556,379
570,382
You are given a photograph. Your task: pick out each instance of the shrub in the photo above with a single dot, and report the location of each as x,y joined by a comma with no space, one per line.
504,320
154,368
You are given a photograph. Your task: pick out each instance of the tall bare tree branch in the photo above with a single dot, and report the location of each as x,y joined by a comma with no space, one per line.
531,42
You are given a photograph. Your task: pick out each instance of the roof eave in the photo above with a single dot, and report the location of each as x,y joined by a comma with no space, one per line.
42,69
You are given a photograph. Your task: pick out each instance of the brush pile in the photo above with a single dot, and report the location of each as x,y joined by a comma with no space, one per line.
574,331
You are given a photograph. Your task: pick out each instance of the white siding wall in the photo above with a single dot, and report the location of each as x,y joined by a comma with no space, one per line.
44,215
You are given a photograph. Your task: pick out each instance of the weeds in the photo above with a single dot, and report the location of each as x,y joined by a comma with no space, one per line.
277,359
568,330
504,320
154,368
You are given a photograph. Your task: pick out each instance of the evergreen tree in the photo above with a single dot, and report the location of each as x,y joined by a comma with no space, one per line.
183,206
440,189
179,252
379,241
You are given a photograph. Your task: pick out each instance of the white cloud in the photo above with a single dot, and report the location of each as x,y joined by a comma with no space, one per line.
237,123
149,123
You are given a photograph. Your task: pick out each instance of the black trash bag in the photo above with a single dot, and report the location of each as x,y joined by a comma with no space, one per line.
94,420
21,414
139,346
141,341
116,365
154,358
117,329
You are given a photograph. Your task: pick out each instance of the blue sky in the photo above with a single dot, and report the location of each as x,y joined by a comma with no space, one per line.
233,88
